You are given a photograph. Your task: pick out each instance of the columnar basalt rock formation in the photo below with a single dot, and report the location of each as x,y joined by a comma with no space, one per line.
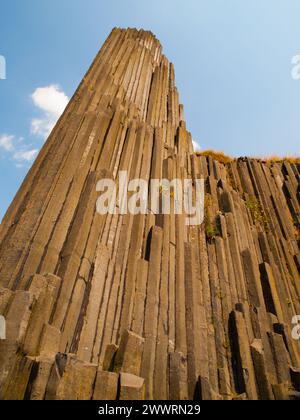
134,307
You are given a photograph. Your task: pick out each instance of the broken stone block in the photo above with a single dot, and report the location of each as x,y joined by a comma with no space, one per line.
129,356
8,357
18,315
132,388
106,386
56,374
50,341
244,369
263,384
270,291
40,374
16,383
280,356
77,381
45,289
295,378
109,357
37,284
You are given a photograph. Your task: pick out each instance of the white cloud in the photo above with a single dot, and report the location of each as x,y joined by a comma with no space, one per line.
25,155
6,142
42,127
197,146
52,101
15,149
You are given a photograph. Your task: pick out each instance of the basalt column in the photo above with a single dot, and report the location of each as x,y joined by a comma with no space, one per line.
123,306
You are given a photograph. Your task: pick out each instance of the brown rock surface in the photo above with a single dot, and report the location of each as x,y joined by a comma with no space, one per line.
142,306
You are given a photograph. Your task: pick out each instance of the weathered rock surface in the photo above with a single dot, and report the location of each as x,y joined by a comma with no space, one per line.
132,307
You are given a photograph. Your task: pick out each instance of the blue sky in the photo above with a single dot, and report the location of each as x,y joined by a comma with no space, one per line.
233,62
